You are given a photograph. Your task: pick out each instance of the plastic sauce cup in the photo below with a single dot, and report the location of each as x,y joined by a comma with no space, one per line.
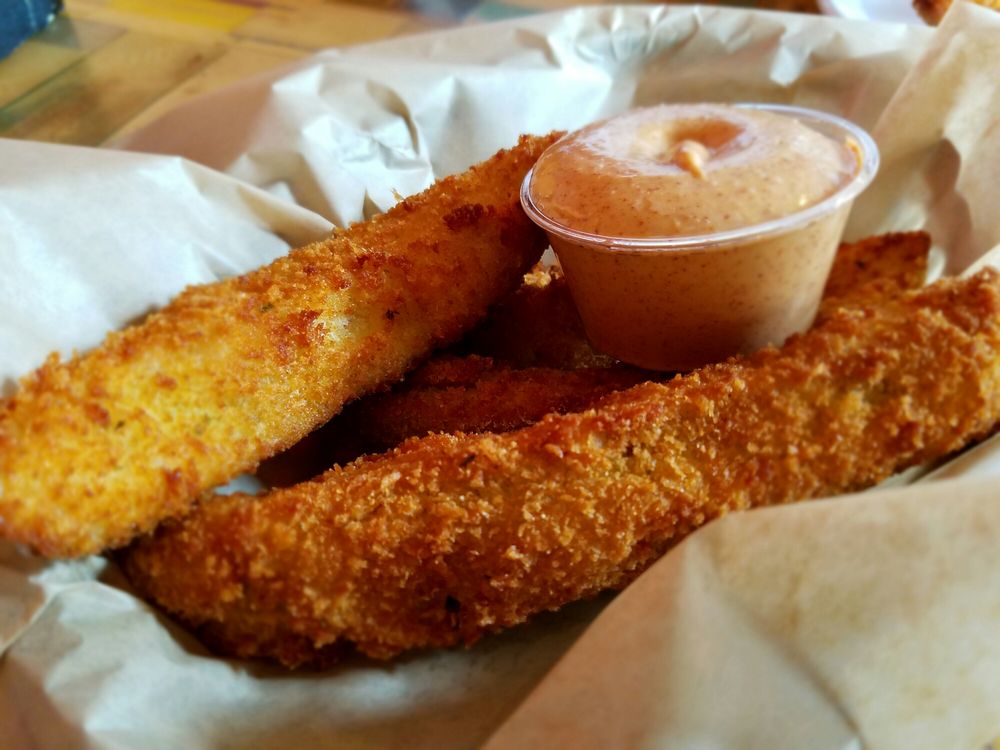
677,303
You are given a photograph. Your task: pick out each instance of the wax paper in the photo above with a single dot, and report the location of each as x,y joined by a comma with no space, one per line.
95,238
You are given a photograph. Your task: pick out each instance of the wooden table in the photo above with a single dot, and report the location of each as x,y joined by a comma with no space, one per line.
105,67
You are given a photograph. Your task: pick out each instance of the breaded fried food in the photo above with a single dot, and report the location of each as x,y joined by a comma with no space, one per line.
448,394
482,394
100,448
452,536
474,394
874,268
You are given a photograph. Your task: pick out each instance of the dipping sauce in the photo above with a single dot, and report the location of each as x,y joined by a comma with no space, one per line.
687,169
692,232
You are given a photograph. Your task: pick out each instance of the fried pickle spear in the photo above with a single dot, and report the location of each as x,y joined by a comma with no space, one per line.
875,268
483,394
464,394
452,536
475,394
102,447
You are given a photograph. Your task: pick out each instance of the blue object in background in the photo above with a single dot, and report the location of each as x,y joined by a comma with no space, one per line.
19,19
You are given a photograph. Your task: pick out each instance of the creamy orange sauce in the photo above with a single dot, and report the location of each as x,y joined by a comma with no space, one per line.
683,171
688,169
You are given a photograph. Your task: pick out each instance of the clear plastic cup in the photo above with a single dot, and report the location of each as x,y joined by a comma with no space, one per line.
677,303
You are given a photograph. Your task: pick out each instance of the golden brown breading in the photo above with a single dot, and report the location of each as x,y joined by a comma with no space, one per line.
875,267
448,394
452,536
100,448
494,399
480,394
485,397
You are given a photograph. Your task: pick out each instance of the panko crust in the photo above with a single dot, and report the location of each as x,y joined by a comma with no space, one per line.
476,394
876,267
100,448
452,536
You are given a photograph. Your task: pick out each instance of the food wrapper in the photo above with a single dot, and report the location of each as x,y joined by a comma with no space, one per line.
843,623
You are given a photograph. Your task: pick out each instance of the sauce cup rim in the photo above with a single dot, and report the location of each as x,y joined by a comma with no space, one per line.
868,167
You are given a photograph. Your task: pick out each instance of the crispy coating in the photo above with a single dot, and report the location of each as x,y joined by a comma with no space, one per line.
482,394
876,267
448,394
452,536
474,394
102,447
